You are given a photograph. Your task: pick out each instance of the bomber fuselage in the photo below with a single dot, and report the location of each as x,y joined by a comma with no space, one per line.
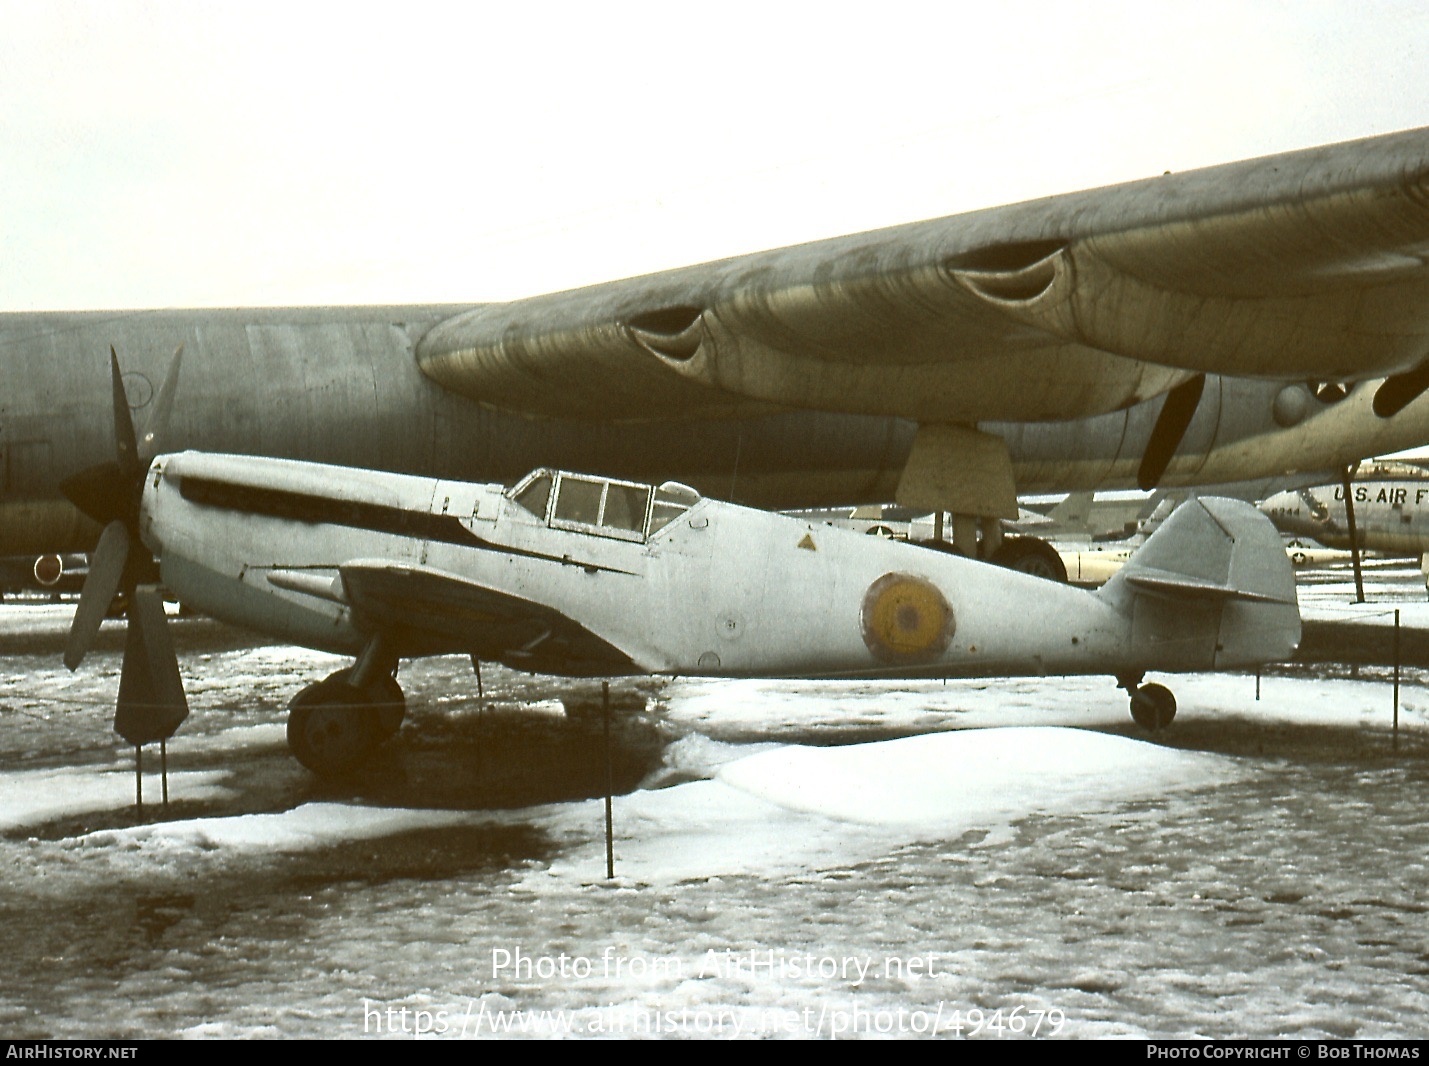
343,386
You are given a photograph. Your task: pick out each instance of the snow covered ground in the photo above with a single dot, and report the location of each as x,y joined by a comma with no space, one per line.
989,859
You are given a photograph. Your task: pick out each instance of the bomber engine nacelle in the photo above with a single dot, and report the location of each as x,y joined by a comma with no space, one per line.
48,570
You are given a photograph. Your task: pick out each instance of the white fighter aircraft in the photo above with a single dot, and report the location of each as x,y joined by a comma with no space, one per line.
592,576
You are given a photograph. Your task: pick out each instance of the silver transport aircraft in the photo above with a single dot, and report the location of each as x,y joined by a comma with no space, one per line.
1391,507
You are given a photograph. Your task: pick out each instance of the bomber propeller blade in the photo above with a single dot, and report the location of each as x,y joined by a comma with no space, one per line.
1171,425
1398,392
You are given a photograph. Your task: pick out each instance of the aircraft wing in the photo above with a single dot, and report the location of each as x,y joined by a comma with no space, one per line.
1310,264
437,610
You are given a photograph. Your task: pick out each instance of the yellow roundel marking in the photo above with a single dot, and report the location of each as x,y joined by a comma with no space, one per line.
906,618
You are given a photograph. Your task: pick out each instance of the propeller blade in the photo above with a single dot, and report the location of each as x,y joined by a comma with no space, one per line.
152,704
1171,424
106,571
125,449
152,443
1399,391
100,492
109,491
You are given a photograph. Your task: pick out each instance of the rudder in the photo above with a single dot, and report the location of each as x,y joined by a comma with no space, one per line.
1212,588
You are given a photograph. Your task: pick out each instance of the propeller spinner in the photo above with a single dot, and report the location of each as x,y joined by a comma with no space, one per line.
151,703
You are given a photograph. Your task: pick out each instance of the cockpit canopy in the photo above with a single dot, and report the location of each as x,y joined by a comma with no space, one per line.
608,507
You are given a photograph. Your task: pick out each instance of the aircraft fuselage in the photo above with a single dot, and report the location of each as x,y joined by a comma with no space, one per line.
582,574
1391,515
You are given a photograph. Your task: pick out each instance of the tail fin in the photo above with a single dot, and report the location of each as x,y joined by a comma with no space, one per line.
1212,587
1074,511
1158,508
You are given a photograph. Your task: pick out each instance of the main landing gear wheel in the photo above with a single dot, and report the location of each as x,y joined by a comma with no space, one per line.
1153,707
390,705
1031,555
333,726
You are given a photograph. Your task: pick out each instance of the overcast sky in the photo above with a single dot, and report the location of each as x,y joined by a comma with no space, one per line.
204,154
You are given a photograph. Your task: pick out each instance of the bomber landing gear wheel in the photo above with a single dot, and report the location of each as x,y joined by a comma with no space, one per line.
1153,707
1031,555
332,726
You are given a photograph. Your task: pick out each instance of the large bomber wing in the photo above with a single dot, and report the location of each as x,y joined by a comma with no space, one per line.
435,611
1309,264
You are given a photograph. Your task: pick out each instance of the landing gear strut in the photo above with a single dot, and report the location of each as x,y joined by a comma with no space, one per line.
1152,706
334,726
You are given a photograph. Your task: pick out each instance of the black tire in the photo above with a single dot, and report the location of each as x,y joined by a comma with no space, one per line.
387,698
333,727
1031,555
1153,707
390,705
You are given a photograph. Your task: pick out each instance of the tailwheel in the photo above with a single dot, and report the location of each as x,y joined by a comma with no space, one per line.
1153,707
333,726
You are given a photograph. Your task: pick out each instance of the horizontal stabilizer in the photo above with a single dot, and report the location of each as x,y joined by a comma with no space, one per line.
1180,585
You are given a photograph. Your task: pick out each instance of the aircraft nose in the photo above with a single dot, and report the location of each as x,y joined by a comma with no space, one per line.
1280,503
149,525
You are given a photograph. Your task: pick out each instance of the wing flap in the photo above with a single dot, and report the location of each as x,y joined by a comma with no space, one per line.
433,611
